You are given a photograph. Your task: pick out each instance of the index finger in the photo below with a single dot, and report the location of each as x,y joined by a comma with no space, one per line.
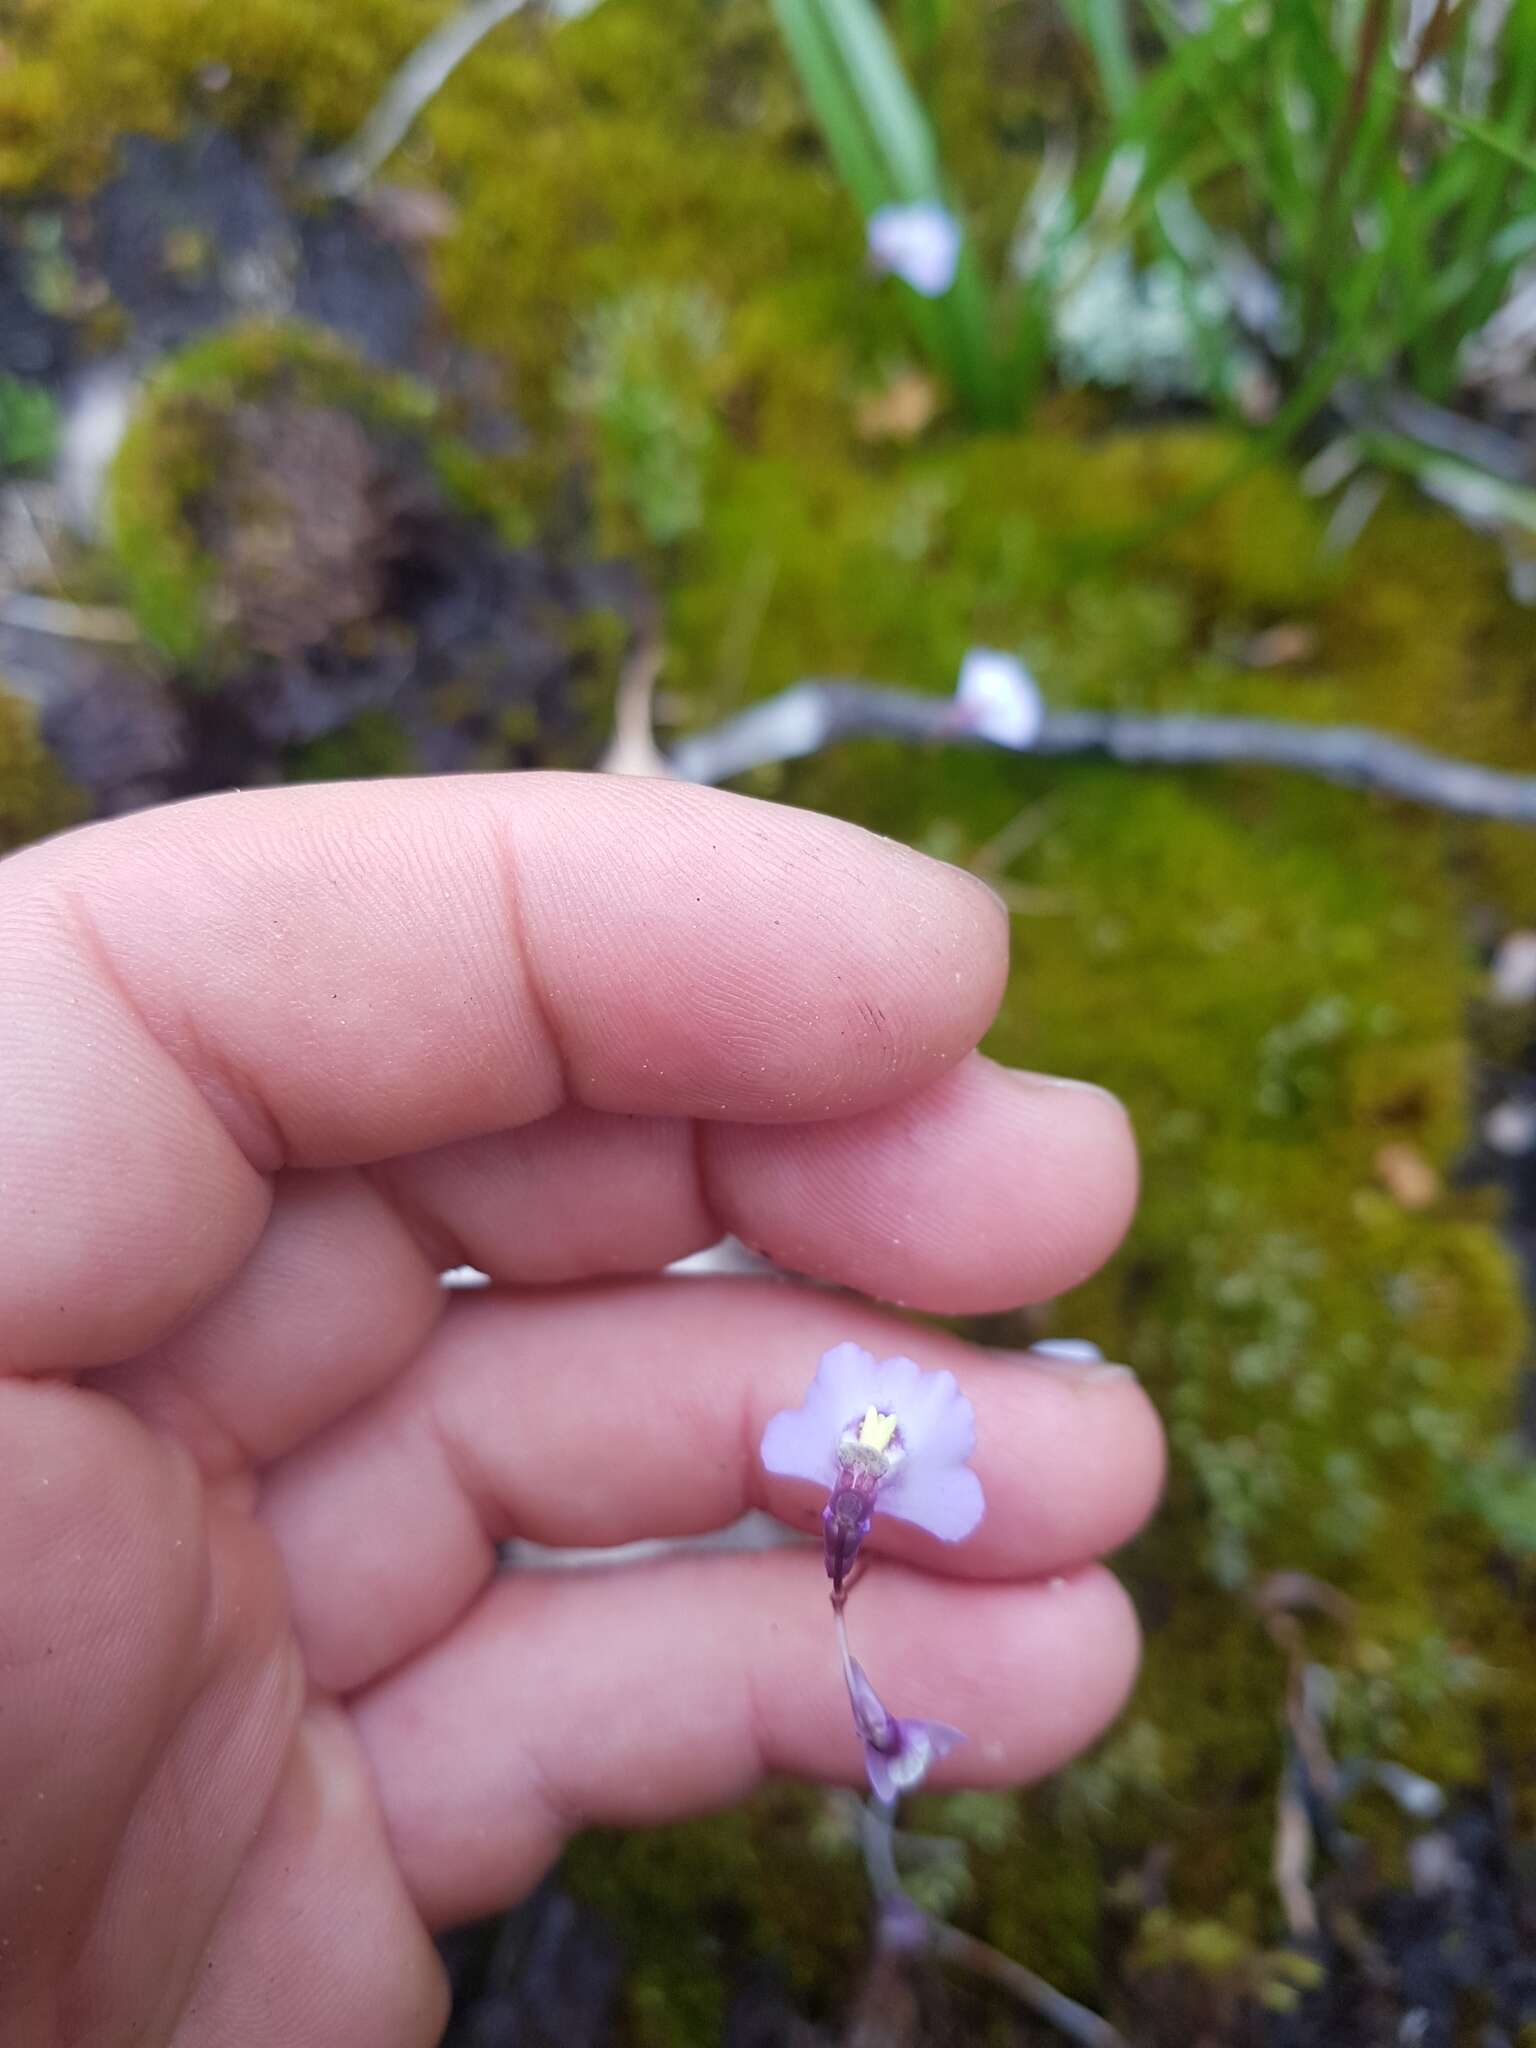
197,996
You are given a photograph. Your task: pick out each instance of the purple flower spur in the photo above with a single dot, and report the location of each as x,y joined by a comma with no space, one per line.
879,1432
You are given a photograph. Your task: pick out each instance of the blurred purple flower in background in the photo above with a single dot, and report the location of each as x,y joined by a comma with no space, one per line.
919,243
897,1753
997,697
879,1432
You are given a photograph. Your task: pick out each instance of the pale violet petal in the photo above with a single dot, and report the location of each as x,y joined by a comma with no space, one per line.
896,1385
848,1379
944,1499
942,1738
882,1779
918,242
923,1743
799,1443
937,1422
997,697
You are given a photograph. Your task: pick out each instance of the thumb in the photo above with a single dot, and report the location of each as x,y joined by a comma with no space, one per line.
148,1696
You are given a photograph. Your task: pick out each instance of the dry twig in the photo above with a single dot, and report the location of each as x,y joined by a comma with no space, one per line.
420,78
29,613
815,714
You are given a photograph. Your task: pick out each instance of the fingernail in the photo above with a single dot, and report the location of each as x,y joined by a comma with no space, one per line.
1067,1082
981,882
1072,1358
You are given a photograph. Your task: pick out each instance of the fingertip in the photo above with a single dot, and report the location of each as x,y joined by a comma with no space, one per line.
828,969
985,1189
1111,1431
1081,1628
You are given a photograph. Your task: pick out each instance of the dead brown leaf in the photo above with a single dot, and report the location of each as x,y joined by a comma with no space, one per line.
1284,646
901,410
1407,1176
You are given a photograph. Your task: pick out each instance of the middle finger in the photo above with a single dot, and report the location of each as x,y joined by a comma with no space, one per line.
600,1416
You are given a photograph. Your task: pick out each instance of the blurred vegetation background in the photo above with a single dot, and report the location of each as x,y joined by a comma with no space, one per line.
311,468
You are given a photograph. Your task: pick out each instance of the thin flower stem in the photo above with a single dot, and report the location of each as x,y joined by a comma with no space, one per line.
877,1838
842,1640
877,1829
1051,2005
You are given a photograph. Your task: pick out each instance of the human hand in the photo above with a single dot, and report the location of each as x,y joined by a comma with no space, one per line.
272,1062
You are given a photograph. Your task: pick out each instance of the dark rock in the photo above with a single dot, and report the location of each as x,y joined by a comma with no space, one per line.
545,1976
112,726
190,233
362,286
34,343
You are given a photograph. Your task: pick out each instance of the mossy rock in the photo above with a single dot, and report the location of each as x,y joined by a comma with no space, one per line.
35,797
240,502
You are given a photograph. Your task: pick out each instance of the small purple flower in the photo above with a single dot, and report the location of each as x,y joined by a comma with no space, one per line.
918,242
879,1432
898,1754
997,697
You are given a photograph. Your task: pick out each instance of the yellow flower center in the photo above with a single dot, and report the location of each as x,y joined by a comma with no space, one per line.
876,1430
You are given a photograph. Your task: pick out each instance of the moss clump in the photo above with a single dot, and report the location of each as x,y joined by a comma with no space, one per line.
644,379
28,427
81,71
769,1881
373,744
179,449
35,798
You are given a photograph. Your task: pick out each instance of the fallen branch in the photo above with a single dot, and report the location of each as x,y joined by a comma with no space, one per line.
814,714
1313,1785
32,614
420,78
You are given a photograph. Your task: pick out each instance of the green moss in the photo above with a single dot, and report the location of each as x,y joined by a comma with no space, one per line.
373,744
166,463
644,379
768,1880
35,798
80,72
28,427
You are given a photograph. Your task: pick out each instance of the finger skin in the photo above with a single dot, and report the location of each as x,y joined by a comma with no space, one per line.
188,1857
334,976
595,1418
335,1299
579,1195
982,1190
985,1187
149,1693
631,1696
320,1946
